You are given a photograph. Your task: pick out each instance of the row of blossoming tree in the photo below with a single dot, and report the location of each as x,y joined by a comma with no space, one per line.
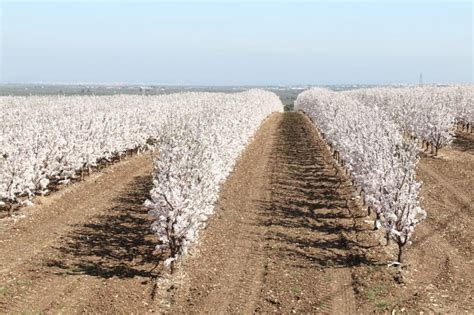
49,139
196,139
427,113
196,154
381,162
375,134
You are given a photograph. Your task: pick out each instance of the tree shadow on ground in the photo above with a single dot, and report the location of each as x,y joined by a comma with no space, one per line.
464,142
308,216
117,243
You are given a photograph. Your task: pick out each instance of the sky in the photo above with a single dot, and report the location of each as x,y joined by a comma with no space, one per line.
236,42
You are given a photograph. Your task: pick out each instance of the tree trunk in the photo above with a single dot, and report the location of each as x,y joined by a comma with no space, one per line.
377,220
172,267
400,252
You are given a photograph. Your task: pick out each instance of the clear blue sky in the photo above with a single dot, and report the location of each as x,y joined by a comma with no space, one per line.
236,43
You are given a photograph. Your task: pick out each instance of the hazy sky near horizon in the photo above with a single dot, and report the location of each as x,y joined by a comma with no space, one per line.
236,42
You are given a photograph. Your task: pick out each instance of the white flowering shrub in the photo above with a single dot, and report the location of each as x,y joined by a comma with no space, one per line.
51,138
372,148
427,113
463,100
196,153
198,137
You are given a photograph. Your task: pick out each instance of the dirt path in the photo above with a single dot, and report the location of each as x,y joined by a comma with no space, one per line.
282,239
86,248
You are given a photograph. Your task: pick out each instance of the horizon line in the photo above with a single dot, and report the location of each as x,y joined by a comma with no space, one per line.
79,83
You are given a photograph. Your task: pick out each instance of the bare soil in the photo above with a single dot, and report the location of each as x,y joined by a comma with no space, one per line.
87,248
437,277
283,239
289,235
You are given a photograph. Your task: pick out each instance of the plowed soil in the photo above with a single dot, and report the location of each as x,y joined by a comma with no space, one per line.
283,239
87,248
289,235
438,276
